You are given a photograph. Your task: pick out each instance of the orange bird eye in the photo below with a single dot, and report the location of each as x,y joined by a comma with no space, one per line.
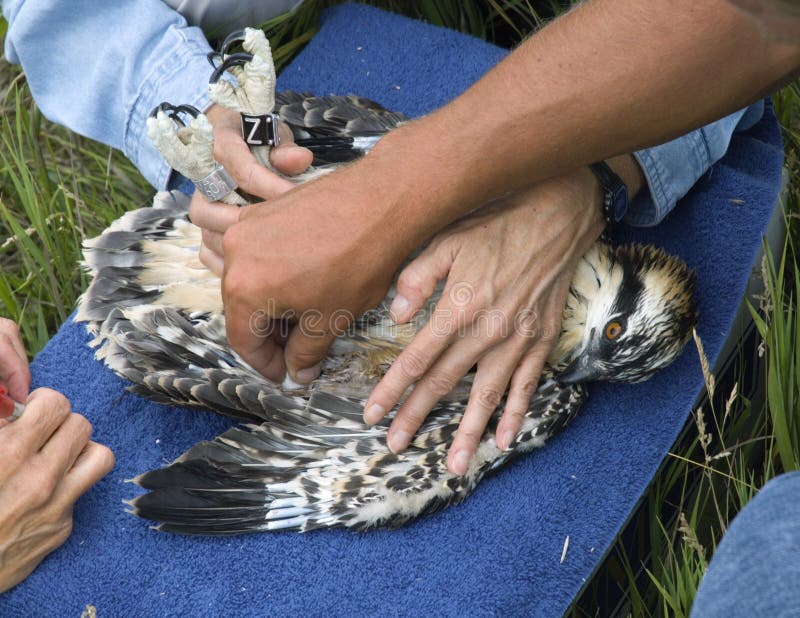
613,330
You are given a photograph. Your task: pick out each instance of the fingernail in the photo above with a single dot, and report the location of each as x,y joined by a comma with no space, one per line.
304,376
399,307
374,413
398,441
507,439
461,461
289,384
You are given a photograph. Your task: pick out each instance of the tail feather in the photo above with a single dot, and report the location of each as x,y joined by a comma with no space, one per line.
313,466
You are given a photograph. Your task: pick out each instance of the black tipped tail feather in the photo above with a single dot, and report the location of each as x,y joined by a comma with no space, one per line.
317,465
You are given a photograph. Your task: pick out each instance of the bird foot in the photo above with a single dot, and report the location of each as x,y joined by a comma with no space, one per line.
189,149
254,70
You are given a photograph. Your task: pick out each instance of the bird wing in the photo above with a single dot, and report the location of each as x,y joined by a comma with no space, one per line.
307,460
336,129
318,465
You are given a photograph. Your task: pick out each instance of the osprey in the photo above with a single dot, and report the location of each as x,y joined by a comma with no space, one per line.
304,458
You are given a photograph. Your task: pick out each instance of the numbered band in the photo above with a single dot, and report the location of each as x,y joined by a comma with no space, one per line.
217,184
260,130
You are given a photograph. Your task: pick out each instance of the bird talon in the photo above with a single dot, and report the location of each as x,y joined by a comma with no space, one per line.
253,92
237,36
239,59
174,111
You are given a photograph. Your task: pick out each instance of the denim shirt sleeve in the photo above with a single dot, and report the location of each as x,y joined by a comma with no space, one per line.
671,169
98,67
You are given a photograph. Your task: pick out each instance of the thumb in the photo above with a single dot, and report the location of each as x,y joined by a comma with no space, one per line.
291,159
418,280
304,353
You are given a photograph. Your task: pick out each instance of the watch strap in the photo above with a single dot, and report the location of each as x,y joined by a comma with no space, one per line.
615,193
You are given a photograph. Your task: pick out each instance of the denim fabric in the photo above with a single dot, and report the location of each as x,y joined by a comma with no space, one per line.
99,67
756,568
673,168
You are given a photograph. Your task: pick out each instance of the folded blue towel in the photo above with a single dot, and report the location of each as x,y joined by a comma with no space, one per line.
500,551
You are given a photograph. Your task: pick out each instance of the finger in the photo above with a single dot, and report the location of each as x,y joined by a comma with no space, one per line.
438,381
523,384
491,379
526,377
418,281
213,241
256,345
45,411
14,371
409,366
11,328
291,159
234,155
213,216
92,464
304,353
66,443
211,260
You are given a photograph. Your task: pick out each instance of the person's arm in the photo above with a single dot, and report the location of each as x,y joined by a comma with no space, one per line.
610,77
100,67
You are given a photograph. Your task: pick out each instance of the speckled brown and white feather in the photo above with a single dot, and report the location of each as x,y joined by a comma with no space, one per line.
305,459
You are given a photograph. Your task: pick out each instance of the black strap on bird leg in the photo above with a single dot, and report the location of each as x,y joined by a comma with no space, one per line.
260,130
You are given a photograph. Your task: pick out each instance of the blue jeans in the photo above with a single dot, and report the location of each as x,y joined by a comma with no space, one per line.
756,568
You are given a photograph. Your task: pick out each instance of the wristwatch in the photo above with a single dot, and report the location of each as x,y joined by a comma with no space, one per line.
615,193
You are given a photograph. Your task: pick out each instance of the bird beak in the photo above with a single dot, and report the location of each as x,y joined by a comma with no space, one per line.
582,369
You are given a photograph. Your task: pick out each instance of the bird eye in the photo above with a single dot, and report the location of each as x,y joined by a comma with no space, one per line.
613,330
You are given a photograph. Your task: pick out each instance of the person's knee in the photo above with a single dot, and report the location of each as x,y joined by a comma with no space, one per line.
755,568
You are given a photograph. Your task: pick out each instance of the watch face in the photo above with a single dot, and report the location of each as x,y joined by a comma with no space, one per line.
620,203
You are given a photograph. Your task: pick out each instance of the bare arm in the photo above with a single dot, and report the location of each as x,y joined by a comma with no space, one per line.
608,78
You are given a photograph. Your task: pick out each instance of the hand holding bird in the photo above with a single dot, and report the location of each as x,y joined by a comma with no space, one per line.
312,462
508,268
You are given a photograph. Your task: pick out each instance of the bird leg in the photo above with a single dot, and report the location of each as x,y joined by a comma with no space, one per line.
253,94
189,149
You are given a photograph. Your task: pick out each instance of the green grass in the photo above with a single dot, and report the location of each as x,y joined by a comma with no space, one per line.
57,189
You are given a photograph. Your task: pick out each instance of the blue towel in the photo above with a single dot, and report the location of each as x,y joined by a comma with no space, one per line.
497,553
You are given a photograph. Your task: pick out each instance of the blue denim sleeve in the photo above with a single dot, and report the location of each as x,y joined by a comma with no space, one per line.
671,169
99,67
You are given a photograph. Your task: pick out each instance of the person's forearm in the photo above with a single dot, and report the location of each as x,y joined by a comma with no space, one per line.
99,67
608,78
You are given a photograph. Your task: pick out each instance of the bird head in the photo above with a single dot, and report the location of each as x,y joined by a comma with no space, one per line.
629,312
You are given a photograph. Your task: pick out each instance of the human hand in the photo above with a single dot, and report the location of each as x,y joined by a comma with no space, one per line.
48,463
291,259
231,151
508,268
14,371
